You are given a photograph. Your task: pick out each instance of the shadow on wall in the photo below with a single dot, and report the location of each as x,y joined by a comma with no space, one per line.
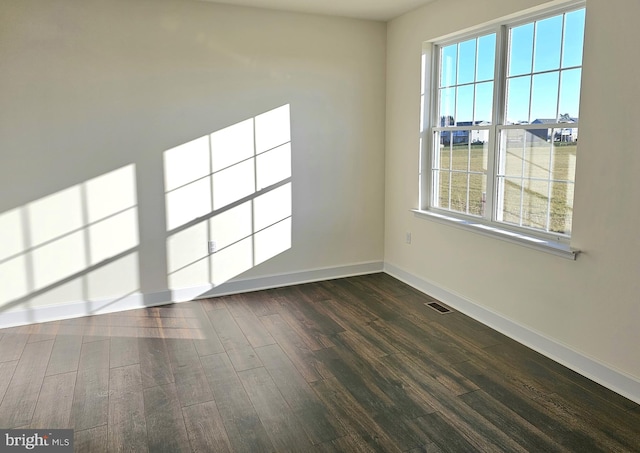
76,252
228,201
79,244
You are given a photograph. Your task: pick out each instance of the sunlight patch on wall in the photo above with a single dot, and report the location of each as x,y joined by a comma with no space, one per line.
231,188
77,244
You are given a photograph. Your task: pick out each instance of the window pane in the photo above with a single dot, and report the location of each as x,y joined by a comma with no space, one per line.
460,153
464,110
537,153
561,207
570,94
544,96
459,192
484,102
466,61
526,153
511,199
563,160
448,65
573,39
447,106
479,154
535,203
477,194
521,50
443,179
512,153
445,150
547,46
518,92
486,57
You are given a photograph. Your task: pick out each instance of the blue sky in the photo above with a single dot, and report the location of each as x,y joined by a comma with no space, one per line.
540,65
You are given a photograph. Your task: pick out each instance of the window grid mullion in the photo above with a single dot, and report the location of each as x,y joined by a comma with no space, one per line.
560,69
498,117
524,159
550,174
468,171
450,168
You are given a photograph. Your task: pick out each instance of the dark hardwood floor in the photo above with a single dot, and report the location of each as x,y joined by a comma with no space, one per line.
356,364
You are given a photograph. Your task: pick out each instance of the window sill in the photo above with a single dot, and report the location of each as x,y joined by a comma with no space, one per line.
543,245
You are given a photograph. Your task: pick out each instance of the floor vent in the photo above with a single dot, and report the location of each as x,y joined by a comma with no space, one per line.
439,308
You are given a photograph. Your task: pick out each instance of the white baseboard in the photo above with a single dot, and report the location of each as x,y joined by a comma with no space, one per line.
279,280
615,380
138,300
82,308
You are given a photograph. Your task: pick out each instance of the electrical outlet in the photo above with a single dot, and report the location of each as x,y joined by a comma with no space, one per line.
212,247
407,238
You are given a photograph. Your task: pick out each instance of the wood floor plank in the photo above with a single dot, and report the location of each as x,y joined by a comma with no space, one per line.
348,443
155,365
282,426
94,440
6,373
444,435
358,322
295,348
123,351
429,447
304,319
314,417
190,380
303,307
43,331
253,329
359,300
234,341
598,409
270,303
468,423
244,428
53,409
12,345
205,428
517,428
91,394
214,303
310,336
376,396
96,328
418,350
21,396
529,406
355,420
207,341
127,427
65,355
165,424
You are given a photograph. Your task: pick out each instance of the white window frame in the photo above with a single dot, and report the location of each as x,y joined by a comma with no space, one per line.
556,243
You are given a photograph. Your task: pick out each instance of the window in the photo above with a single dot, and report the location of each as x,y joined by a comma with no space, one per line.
502,140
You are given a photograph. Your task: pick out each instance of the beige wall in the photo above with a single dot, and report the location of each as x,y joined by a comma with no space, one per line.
101,89
591,305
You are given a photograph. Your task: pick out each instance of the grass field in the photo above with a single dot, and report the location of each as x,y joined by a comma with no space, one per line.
535,181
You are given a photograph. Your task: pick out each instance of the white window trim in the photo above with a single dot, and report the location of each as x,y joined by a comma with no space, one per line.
475,226
556,244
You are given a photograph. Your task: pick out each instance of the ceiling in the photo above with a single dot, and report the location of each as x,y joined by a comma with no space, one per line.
364,9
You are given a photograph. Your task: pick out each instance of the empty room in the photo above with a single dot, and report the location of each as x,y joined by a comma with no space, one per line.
328,226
